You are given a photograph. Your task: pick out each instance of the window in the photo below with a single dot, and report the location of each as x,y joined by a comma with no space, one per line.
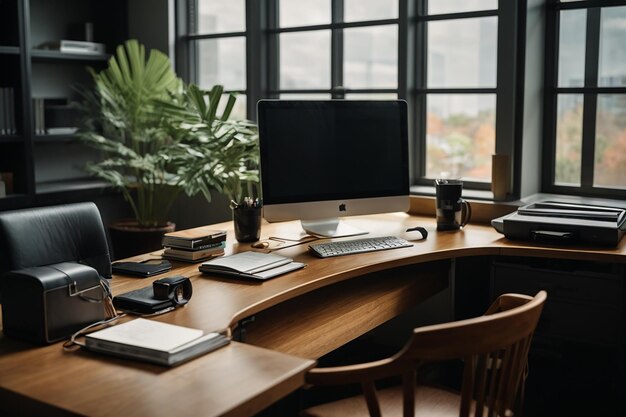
339,49
586,101
444,57
457,91
217,48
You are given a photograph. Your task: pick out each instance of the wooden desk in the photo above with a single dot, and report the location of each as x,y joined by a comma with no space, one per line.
329,303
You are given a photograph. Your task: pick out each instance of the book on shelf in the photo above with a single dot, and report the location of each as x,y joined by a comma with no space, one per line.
7,178
154,341
38,116
7,111
75,47
193,255
252,265
61,130
54,116
4,112
197,238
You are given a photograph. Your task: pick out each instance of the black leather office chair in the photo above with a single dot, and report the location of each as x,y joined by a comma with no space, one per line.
49,235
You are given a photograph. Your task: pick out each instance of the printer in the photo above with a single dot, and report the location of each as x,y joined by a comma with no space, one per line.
561,222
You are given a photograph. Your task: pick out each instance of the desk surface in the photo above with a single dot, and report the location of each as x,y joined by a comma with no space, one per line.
240,379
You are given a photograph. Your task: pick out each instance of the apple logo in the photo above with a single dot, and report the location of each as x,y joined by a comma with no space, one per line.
342,207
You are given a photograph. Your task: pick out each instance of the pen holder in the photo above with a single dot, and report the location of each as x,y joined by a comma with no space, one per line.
247,223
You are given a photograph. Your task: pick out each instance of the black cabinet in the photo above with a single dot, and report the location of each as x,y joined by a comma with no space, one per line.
36,163
576,362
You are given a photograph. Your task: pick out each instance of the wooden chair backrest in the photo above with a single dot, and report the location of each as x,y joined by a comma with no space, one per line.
494,348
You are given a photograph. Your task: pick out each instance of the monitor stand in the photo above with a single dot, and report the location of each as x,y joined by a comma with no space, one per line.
330,228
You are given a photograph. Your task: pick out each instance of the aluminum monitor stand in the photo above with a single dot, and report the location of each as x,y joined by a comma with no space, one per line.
330,228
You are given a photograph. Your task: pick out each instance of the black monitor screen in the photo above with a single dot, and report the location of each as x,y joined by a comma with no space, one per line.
332,150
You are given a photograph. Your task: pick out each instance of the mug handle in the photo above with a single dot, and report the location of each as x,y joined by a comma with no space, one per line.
467,208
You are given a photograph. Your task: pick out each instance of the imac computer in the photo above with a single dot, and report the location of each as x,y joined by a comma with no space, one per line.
321,160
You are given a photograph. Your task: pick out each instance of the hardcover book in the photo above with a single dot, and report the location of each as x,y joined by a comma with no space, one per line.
153,341
192,256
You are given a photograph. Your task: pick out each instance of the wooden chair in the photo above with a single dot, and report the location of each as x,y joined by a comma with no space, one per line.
494,348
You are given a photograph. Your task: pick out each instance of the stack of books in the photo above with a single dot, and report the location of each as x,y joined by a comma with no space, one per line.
54,116
194,245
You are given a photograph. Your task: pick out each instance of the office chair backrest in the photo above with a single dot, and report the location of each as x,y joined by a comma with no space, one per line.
494,348
49,235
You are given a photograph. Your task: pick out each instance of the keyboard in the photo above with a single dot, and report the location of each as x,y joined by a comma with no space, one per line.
348,247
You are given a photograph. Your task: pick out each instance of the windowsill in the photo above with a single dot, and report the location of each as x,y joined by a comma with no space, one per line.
468,194
484,209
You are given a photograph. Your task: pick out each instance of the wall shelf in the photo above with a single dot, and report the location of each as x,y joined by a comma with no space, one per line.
71,185
63,138
51,55
46,168
9,50
10,139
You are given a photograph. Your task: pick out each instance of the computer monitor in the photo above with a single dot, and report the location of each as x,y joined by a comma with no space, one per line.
321,160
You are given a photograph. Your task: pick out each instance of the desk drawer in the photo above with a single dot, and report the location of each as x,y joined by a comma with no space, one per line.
569,286
585,306
581,323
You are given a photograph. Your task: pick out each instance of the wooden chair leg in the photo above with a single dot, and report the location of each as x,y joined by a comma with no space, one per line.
408,405
369,391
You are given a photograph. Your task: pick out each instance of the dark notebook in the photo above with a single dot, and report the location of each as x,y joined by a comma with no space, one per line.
140,301
141,269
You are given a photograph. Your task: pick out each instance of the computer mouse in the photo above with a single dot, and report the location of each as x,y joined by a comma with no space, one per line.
416,233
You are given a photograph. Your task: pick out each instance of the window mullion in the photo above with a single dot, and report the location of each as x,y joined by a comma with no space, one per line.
273,49
406,74
256,47
336,51
548,176
506,66
184,63
591,99
406,49
420,65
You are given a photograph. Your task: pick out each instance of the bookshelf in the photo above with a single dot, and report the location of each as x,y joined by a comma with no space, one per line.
42,165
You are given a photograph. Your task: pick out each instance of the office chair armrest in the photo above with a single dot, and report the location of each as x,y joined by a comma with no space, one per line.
359,373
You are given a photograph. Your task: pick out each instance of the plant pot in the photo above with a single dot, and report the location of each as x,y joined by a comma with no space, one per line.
129,239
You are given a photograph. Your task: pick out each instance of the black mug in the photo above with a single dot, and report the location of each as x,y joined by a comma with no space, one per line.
247,223
453,212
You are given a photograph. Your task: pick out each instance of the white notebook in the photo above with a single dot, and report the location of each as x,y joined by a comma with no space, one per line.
254,265
153,341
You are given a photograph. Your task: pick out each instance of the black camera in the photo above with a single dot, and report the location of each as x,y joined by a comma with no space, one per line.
164,293
177,289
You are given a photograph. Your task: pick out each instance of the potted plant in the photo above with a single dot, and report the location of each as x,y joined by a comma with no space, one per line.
159,137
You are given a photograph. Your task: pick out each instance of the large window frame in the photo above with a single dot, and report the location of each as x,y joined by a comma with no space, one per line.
263,53
422,91
336,27
590,92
